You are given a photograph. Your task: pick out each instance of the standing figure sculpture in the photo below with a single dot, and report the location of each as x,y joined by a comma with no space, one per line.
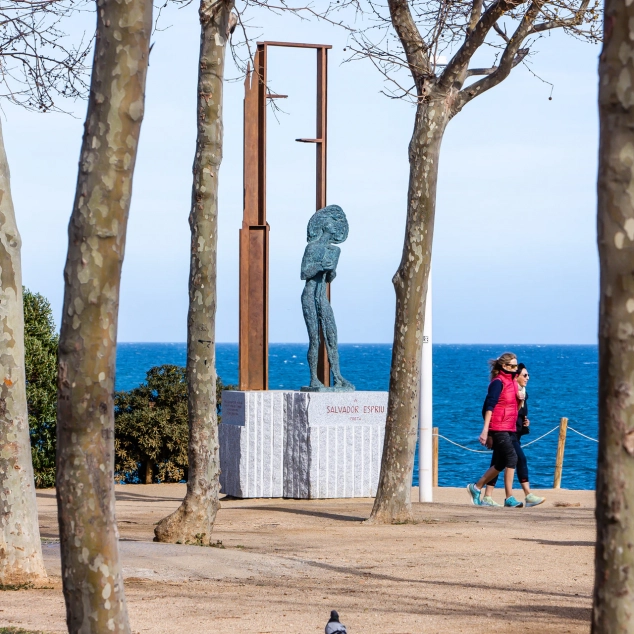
327,227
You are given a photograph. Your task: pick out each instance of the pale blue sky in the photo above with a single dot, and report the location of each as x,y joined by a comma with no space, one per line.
514,250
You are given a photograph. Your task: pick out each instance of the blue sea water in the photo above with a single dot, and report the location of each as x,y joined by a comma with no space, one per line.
563,382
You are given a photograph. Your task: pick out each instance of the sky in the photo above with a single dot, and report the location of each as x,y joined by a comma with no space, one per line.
514,255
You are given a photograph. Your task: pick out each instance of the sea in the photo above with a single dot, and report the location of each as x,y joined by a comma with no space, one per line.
563,383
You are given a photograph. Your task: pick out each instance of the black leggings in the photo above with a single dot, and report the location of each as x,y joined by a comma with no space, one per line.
522,464
504,455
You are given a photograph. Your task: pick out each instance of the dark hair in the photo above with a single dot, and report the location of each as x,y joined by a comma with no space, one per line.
520,367
496,365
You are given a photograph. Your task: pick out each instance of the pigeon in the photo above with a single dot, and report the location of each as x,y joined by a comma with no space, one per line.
333,626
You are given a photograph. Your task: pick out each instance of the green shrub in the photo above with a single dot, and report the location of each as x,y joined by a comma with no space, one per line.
40,357
151,429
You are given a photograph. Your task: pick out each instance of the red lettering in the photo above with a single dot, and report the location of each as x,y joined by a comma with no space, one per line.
354,409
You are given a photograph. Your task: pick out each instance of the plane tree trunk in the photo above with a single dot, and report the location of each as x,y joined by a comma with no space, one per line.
392,503
439,97
91,571
614,560
20,547
193,521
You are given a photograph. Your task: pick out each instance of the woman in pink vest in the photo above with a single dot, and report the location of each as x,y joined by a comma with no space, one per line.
500,416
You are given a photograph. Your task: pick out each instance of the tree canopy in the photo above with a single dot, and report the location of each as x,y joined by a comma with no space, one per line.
40,352
151,427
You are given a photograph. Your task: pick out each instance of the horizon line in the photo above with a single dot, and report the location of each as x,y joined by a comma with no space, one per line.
366,343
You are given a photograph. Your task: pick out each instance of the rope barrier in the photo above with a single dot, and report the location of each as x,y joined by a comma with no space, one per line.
536,439
462,446
580,434
556,427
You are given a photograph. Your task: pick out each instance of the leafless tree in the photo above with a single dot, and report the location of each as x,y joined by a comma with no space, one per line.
39,63
406,40
193,521
614,572
91,571
37,66
424,49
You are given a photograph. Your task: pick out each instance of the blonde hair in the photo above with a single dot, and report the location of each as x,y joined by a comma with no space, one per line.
496,365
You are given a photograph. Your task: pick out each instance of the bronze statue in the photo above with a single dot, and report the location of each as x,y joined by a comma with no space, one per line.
326,228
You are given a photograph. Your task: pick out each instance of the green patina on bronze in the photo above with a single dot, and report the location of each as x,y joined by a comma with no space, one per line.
326,228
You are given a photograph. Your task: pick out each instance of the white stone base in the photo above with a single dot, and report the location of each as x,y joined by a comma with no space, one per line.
252,444
301,444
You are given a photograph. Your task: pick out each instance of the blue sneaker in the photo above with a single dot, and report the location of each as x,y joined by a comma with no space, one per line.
474,494
513,503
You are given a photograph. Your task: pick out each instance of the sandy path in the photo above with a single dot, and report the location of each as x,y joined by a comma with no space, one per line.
286,563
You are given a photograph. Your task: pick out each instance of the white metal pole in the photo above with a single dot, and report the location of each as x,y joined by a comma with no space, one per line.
425,413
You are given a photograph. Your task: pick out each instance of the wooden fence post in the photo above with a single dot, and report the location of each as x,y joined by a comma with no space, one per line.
561,445
434,468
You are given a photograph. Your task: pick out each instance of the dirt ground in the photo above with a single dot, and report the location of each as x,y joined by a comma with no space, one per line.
284,564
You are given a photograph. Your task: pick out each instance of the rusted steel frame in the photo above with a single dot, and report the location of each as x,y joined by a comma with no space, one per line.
294,45
254,238
323,365
254,235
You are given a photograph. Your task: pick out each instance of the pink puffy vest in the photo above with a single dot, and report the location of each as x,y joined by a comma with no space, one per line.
504,414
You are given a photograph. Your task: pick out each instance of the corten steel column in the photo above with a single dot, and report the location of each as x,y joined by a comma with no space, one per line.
254,235
323,365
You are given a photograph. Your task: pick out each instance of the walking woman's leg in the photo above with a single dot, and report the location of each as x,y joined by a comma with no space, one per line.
503,443
509,474
488,492
475,489
522,468
522,475
491,472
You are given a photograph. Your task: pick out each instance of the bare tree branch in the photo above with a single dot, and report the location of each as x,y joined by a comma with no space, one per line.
37,63
501,33
476,11
519,58
508,59
575,20
411,40
475,39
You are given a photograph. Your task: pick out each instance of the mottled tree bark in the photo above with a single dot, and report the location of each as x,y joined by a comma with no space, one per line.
193,521
439,99
149,472
614,563
20,546
91,572
392,502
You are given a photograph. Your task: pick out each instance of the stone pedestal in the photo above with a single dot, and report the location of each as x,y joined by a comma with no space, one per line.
301,444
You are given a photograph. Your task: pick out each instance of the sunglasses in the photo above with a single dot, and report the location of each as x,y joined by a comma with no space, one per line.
524,376
511,365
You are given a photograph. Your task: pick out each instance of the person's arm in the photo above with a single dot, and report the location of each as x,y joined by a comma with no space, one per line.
493,396
485,430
